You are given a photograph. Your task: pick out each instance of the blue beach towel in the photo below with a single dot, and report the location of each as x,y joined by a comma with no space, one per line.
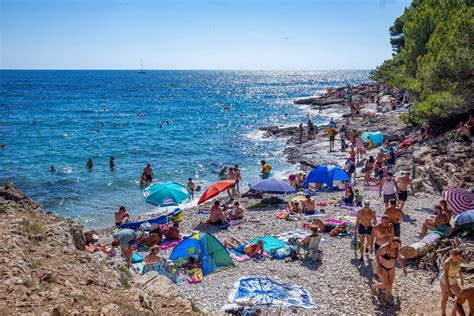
266,291
270,243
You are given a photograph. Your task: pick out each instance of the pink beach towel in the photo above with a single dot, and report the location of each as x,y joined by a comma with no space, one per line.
170,244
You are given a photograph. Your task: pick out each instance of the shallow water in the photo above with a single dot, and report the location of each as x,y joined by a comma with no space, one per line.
63,118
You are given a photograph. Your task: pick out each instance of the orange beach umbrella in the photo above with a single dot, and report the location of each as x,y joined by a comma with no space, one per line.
215,189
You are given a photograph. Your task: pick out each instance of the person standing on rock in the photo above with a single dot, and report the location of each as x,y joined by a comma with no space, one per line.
403,182
238,178
382,233
395,216
385,261
332,137
265,170
365,222
310,130
231,175
449,279
300,131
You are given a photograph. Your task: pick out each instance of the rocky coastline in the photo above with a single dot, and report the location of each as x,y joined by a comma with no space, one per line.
45,270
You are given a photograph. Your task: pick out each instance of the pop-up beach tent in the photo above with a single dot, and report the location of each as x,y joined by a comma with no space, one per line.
211,253
326,174
375,137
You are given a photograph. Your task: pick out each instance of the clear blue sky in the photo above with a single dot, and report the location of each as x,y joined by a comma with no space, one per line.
196,34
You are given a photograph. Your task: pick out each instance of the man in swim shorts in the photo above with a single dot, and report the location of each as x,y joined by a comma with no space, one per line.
395,215
191,187
216,216
403,182
364,225
332,137
382,233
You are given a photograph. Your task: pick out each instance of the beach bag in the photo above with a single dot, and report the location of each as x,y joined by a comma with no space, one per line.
355,243
137,257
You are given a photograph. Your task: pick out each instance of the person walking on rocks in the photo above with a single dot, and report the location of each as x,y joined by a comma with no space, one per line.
300,131
343,134
385,262
390,188
382,233
449,279
403,182
310,130
365,222
332,137
395,216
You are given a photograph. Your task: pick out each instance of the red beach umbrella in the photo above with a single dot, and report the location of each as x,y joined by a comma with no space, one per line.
215,189
459,200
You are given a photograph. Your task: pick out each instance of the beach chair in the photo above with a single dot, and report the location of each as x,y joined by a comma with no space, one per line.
312,251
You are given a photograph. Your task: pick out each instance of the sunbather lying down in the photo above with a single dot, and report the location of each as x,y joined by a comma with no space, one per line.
245,247
332,229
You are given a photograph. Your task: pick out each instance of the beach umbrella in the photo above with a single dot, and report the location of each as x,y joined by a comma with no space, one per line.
166,194
465,218
273,186
216,189
459,200
326,174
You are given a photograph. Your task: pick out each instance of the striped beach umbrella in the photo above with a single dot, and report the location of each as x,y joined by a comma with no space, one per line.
459,200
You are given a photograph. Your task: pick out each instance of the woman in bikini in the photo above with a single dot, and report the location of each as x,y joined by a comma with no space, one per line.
245,247
385,261
369,167
449,278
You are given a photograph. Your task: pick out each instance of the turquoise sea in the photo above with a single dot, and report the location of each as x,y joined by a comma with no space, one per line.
63,118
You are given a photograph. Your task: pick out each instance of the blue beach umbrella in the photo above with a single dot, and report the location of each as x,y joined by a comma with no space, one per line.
273,186
326,174
166,194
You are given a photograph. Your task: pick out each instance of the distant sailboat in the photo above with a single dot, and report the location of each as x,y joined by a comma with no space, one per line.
141,69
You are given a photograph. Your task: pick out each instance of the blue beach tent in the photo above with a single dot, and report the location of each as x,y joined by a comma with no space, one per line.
211,253
326,174
375,137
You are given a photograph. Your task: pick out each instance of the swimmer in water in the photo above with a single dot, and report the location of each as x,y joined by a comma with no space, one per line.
3,146
112,162
168,122
52,169
89,164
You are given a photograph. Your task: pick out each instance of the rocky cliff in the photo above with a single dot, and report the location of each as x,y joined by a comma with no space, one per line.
44,271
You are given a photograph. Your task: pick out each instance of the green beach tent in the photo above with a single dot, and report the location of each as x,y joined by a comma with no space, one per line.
211,253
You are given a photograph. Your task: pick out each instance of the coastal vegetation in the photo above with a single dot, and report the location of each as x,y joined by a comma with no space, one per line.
433,48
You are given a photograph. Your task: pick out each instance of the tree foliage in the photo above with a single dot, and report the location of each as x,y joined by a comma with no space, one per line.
433,58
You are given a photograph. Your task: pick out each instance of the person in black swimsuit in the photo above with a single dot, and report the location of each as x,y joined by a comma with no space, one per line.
385,262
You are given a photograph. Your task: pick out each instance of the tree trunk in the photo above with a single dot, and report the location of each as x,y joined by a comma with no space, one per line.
419,248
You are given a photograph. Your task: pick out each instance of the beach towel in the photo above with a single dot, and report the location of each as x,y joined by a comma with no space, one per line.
297,234
167,244
264,291
425,210
270,243
336,221
137,268
237,256
309,216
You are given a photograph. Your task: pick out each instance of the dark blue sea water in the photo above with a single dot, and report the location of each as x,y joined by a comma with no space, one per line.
63,118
